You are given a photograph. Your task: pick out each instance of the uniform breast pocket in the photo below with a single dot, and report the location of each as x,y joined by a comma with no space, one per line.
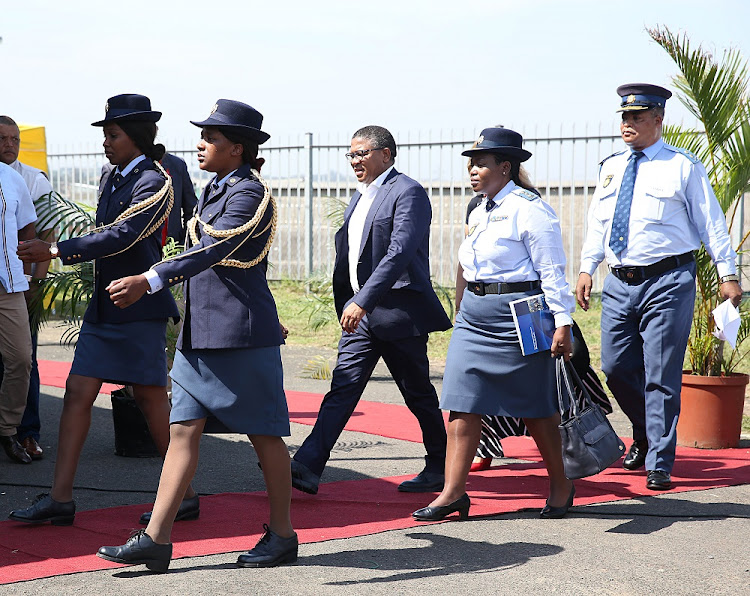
660,202
605,207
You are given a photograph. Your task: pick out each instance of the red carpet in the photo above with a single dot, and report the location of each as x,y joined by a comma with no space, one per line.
340,510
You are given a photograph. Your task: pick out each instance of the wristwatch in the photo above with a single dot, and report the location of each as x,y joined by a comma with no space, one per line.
726,278
53,250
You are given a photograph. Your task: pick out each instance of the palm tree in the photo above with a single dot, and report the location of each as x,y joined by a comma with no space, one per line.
716,94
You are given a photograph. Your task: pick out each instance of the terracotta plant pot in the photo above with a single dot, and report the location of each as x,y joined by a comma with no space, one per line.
711,411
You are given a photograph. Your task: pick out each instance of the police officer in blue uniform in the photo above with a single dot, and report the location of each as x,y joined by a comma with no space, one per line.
227,373
653,206
123,347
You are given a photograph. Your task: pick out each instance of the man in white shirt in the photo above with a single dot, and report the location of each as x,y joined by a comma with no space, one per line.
17,218
648,299
386,306
39,186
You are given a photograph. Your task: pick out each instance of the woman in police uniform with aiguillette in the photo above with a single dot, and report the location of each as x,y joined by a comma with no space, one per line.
513,251
227,372
124,347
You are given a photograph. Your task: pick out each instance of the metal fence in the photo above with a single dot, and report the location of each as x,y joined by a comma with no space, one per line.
309,174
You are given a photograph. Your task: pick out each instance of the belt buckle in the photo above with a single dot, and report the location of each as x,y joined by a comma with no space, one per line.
480,289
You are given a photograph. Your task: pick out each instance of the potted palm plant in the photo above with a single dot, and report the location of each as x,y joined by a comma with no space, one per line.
716,93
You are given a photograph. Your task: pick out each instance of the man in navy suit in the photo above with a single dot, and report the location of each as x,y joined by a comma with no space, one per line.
386,306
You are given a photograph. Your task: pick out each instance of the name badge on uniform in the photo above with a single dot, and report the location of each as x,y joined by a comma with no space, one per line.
498,217
607,180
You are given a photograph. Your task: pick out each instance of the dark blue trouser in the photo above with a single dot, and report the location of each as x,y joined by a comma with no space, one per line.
645,329
358,353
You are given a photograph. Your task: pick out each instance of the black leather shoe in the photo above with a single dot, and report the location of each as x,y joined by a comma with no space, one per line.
189,509
304,479
658,480
139,550
636,456
440,512
14,450
45,509
557,512
271,550
424,482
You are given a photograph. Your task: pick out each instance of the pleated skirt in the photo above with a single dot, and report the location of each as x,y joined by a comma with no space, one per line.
238,390
485,372
123,353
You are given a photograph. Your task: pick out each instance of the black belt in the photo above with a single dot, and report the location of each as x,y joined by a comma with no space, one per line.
480,288
636,274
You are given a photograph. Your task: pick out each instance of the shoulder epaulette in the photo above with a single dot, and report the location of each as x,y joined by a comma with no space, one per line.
606,158
233,180
685,152
526,194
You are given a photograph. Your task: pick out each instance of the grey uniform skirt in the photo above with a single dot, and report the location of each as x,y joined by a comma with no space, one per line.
485,372
238,390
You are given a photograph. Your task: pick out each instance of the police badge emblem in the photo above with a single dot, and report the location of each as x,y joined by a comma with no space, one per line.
630,99
213,109
607,180
106,107
480,140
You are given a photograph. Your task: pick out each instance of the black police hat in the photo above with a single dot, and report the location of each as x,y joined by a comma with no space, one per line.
128,106
236,116
500,140
642,96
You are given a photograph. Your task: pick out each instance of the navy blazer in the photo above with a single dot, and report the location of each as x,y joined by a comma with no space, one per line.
393,268
226,307
140,184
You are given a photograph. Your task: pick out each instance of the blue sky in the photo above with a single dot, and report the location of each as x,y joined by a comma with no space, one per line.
330,66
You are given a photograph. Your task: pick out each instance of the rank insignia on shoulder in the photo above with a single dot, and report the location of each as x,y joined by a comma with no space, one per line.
688,154
498,217
526,194
232,180
607,180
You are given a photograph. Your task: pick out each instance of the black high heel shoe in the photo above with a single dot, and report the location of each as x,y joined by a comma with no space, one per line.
558,512
461,505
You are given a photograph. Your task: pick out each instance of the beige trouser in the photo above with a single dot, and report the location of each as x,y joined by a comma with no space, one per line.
15,348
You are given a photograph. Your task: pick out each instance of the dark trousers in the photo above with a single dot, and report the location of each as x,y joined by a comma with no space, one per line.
358,354
645,329
31,423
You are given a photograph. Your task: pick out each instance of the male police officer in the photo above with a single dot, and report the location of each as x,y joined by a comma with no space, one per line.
652,207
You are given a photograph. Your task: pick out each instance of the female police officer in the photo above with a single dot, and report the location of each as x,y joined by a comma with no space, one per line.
514,248
227,372
126,347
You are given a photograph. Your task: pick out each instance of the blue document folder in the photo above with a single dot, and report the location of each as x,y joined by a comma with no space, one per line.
535,324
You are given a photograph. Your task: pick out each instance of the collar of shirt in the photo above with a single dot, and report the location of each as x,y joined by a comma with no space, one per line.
129,168
377,183
650,152
504,192
218,183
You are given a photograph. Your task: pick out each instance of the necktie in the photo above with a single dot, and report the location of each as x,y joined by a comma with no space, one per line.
618,238
490,204
117,180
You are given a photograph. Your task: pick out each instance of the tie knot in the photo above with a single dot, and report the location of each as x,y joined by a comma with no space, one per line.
490,205
636,155
117,179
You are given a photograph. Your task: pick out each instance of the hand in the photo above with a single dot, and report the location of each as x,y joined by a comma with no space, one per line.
284,331
351,317
127,290
583,290
562,344
731,290
34,251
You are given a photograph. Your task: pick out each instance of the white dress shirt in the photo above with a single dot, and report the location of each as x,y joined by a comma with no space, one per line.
17,211
518,240
674,208
357,223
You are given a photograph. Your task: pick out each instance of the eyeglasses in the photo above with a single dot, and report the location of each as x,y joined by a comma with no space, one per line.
13,140
361,154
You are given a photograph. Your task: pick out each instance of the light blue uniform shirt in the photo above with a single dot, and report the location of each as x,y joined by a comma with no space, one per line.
674,208
16,212
519,240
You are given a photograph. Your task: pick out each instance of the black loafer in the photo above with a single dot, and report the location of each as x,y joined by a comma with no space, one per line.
558,512
139,550
14,450
636,456
424,482
271,550
304,479
189,509
45,509
440,512
658,480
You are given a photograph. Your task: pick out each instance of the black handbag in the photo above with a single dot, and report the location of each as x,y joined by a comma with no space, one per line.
589,443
